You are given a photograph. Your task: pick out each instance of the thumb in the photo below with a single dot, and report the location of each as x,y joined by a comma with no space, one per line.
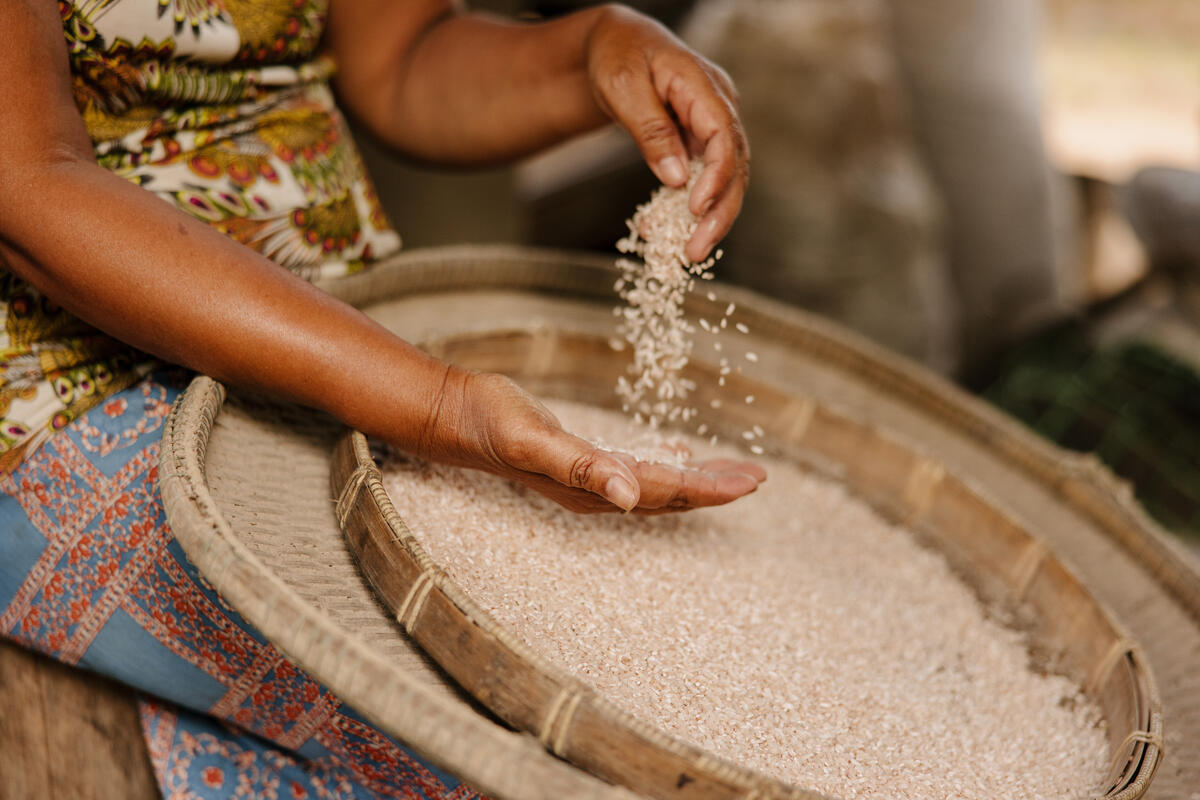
632,100
580,464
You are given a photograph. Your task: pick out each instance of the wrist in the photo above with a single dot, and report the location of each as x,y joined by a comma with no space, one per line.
393,391
440,435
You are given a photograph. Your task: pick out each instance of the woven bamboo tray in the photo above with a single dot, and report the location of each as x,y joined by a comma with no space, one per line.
246,485
1071,632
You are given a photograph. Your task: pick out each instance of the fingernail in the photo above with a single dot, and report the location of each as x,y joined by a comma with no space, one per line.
672,171
620,493
707,206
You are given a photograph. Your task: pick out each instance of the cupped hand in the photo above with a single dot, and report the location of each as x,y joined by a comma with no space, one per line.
485,421
676,105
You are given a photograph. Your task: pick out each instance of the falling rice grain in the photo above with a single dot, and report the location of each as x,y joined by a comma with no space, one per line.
654,289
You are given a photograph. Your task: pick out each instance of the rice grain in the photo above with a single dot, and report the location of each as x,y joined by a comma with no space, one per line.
652,320
795,632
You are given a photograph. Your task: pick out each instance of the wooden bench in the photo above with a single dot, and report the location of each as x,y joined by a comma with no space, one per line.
66,734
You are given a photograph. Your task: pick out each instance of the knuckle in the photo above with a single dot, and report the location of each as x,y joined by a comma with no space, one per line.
580,474
497,382
519,449
655,130
623,78
516,449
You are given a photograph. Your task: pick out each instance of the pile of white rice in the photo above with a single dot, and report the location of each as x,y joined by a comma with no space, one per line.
794,631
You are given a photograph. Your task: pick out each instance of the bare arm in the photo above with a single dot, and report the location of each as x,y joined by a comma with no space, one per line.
130,264
460,88
146,273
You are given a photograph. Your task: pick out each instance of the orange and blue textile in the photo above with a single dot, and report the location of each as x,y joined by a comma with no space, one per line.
91,575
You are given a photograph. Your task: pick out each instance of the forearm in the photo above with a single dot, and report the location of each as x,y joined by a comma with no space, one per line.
456,88
151,276
472,89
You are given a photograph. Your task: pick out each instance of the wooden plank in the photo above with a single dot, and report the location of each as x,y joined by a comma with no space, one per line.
67,734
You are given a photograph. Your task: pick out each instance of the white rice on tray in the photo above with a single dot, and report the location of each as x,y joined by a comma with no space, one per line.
794,631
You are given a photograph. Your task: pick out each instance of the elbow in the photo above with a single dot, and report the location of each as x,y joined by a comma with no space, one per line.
26,171
373,84
39,192
21,161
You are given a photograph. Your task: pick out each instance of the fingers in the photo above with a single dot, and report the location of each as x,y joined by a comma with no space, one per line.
519,438
590,480
704,104
575,463
667,97
578,501
732,465
709,118
667,488
716,223
586,479
663,489
627,93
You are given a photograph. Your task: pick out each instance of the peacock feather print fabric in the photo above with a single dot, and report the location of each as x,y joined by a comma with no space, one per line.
223,109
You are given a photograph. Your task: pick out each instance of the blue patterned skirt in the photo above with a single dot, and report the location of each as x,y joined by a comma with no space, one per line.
91,575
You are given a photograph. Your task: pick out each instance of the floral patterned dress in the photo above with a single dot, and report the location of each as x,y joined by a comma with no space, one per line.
221,108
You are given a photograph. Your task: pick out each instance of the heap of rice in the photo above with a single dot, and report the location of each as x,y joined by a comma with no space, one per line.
795,631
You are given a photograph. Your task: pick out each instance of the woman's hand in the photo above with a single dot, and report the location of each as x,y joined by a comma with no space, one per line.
486,421
456,88
676,105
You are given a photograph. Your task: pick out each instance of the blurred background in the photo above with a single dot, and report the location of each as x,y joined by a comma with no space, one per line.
1005,191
